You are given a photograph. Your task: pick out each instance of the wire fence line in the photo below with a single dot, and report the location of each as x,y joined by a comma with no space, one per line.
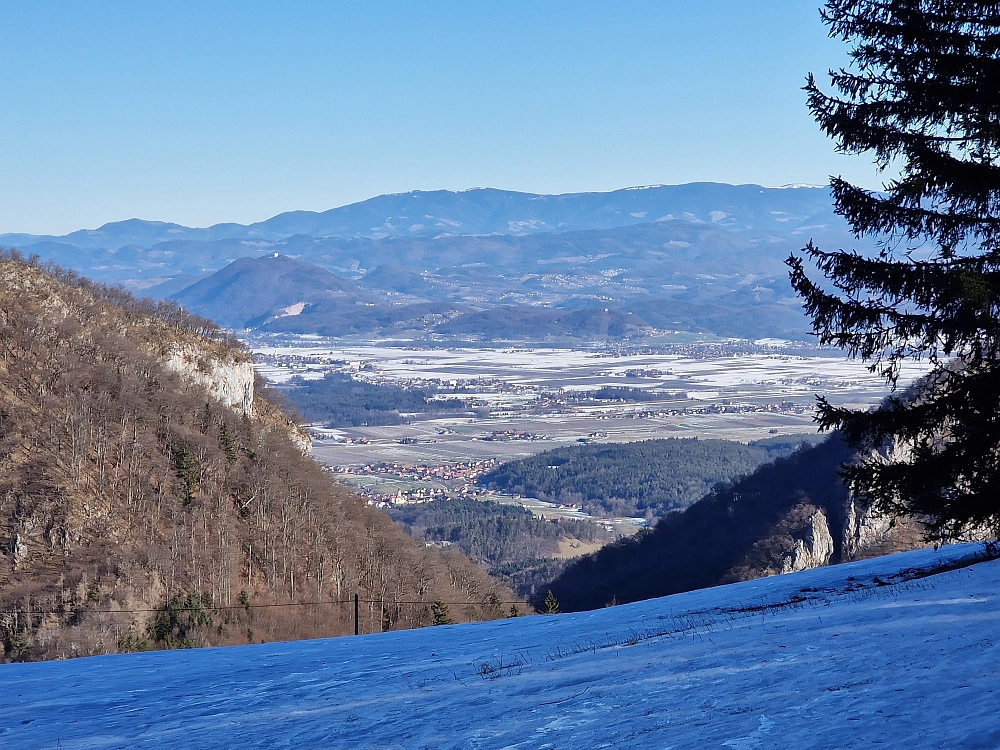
84,610
200,610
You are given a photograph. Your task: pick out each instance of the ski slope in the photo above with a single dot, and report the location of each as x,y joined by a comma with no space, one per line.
870,654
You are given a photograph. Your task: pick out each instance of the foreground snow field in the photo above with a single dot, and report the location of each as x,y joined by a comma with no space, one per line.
875,653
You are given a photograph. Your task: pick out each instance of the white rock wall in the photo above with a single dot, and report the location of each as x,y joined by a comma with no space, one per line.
865,528
813,546
300,438
231,382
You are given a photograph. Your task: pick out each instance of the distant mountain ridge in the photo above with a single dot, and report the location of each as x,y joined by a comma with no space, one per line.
483,211
702,257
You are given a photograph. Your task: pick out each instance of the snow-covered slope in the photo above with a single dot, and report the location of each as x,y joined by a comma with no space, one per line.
899,651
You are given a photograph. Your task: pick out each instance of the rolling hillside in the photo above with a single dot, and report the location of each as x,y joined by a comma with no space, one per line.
649,477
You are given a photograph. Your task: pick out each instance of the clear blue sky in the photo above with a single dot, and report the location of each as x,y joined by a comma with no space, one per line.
205,112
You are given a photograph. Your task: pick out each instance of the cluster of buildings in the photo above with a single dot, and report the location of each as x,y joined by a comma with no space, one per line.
405,497
711,350
507,435
437,482
467,471
785,407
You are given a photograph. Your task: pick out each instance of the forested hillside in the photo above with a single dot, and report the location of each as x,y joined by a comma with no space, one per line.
143,505
789,515
509,540
338,400
651,477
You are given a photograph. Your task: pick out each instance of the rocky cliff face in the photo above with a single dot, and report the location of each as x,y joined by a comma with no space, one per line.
869,532
812,545
228,378
801,539
275,418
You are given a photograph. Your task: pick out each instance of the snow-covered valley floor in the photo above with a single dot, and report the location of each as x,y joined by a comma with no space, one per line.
876,653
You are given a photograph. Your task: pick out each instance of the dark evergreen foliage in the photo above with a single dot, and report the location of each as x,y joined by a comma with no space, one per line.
505,538
709,542
551,604
440,614
628,478
922,95
621,393
175,624
338,400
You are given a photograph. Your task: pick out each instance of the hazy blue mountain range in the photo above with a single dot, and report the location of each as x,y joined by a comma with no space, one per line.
284,295
487,211
483,263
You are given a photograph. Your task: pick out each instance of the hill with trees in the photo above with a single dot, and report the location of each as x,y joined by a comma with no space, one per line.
250,290
651,477
150,495
510,322
338,400
791,514
511,542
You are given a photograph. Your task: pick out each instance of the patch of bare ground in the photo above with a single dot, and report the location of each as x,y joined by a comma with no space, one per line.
570,548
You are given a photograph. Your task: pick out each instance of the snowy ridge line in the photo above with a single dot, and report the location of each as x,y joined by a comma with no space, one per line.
901,581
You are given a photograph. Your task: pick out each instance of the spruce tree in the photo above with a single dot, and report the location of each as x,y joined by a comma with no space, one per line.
440,614
922,96
551,604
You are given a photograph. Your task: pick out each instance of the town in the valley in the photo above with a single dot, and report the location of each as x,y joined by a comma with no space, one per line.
522,401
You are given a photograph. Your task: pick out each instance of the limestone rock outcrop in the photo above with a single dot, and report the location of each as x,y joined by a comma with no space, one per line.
800,540
229,379
813,545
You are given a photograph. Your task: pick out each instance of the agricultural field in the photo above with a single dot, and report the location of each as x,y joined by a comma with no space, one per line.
519,402
522,401
710,390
